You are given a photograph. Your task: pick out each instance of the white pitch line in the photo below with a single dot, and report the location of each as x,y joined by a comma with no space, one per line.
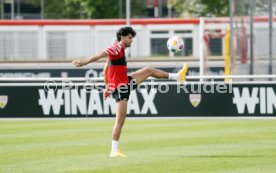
145,118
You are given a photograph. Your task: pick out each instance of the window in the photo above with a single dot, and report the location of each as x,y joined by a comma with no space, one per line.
183,32
159,47
215,47
159,32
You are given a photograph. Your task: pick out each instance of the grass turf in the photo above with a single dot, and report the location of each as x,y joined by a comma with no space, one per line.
152,145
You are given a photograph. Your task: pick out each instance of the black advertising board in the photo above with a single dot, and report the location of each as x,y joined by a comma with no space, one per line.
150,100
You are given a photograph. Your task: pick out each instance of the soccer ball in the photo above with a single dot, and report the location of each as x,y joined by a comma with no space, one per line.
175,44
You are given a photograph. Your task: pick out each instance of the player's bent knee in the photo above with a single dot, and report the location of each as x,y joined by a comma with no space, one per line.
148,69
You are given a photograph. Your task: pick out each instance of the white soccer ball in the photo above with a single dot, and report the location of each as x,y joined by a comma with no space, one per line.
175,44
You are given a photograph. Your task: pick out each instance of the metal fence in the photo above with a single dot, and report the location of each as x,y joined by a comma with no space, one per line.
253,48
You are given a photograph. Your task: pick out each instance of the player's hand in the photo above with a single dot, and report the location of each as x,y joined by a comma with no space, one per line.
106,93
79,62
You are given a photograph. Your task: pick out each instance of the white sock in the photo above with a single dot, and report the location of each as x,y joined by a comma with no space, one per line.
173,76
114,146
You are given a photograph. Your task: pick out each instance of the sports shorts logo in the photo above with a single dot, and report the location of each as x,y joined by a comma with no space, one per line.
3,101
195,99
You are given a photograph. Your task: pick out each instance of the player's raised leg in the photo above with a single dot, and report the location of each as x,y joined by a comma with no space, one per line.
144,73
121,110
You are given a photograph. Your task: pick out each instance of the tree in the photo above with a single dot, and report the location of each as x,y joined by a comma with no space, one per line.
260,7
198,8
87,9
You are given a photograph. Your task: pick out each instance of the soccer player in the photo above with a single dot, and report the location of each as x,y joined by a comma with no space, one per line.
119,84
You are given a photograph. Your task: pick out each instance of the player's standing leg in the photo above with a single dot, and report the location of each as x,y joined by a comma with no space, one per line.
121,110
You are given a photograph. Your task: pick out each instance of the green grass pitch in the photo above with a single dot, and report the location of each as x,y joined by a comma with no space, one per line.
152,146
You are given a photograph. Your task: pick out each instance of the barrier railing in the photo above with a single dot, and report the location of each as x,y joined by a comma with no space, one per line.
101,78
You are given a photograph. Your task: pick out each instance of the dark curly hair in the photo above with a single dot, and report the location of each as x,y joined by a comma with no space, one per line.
124,31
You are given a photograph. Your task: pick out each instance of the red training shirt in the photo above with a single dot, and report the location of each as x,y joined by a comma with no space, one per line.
117,66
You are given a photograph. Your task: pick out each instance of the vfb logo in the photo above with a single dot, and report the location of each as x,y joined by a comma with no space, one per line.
263,97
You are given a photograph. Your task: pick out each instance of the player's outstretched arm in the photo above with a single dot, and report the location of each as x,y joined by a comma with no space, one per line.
82,62
107,92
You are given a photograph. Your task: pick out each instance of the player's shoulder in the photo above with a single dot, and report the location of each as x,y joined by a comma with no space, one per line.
117,45
114,49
